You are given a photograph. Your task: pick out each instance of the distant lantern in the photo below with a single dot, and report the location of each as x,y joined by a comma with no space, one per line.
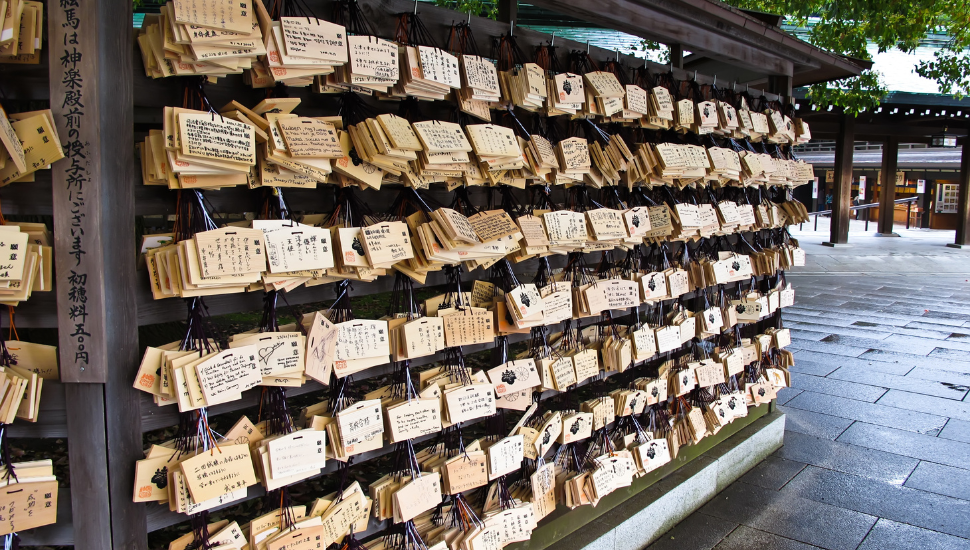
944,140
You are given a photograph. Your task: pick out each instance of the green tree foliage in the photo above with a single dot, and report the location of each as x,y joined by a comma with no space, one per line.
848,26
481,8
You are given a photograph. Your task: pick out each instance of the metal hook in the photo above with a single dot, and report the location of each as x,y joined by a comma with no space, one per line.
415,7
734,87
617,50
469,21
511,27
715,81
695,75
553,41
587,47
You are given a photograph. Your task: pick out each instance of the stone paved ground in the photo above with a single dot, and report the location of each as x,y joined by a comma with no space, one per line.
877,444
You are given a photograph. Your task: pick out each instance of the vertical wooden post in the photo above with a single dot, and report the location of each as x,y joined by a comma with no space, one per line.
887,187
508,10
963,208
93,201
780,84
676,55
118,172
844,143
78,266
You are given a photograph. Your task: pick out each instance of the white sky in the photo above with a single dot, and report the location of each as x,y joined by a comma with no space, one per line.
898,70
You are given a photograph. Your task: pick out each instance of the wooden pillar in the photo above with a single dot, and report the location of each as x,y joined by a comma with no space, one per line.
780,84
676,55
887,187
508,10
842,191
91,75
120,178
963,209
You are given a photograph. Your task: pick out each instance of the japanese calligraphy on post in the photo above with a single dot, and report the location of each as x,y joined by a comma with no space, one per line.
76,192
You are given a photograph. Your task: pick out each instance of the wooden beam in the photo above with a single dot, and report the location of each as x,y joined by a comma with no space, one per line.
887,187
963,208
839,230
695,29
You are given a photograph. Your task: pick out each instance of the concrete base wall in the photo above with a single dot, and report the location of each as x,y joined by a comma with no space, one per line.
646,516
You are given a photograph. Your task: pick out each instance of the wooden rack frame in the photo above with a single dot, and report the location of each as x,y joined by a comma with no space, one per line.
94,406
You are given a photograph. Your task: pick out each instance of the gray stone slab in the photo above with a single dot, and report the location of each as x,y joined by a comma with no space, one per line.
746,538
791,516
870,301
892,535
867,364
697,531
928,324
957,430
895,342
799,328
926,404
786,394
940,479
944,309
957,381
867,316
820,301
928,510
944,316
907,311
899,342
773,472
898,288
815,368
846,458
841,388
910,360
833,348
905,383
798,309
933,316
872,413
938,332
806,334
948,378
949,353
814,424
906,443
949,343
800,316
938,303
909,314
